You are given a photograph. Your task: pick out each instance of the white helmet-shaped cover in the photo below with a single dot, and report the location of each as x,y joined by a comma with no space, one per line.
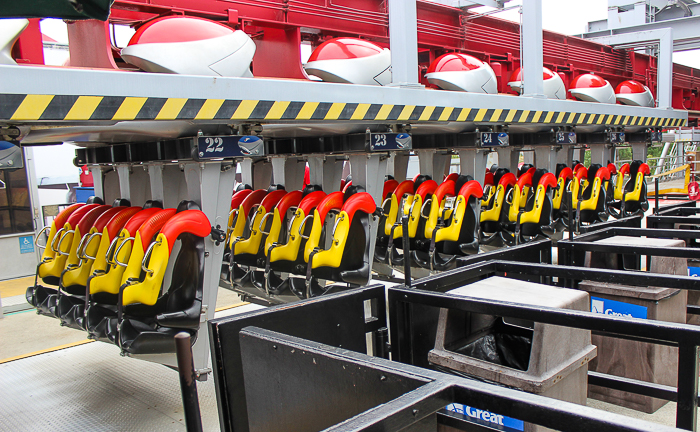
553,84
9,33
461,72
190,46
352,61
634,93
592,88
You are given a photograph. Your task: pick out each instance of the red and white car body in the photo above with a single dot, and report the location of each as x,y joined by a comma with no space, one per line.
592,88
190,46
352,61
553,84
461,72
634,93
9,33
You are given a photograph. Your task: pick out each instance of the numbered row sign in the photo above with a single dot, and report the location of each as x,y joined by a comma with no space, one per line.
389,141
494,139
216,147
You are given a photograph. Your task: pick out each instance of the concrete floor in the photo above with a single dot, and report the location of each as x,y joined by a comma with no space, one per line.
25,332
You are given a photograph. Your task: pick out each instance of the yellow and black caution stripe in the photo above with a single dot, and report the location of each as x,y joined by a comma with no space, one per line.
25,108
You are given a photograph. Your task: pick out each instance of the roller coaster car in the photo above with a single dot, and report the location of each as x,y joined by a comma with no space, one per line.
179,307
287,254
50,272
592,204
619,189
536,218
634,197
490,219
460,234
575,186
347,259
103,285
564,176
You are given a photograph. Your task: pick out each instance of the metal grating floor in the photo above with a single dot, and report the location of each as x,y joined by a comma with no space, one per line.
92,388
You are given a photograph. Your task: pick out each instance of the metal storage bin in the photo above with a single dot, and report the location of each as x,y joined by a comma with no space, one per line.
538,358
637,360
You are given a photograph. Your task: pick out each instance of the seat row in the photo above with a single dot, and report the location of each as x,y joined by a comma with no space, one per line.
103,270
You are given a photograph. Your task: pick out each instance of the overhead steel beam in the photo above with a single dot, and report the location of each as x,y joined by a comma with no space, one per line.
532,58
403,40
664,38
686,32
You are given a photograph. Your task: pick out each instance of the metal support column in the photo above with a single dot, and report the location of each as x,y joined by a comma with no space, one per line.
639,152
124,173
473,162
213,183
369,171
546,158
508,157
398,166
433,163
288,172
155,173
533,83
403,41
565,155
98,180
601,154
247,171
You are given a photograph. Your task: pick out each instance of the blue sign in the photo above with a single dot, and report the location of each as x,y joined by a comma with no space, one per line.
566,137
486,418
26,244
216,147
494,139
389,141
616,308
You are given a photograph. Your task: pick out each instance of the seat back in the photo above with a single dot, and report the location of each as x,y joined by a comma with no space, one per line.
539,209
236,201
564,177
143,238
620,181
636,186
251,245
464,216
277,232
518,195
395,201
110,230
57,224
437,204
153,265
241,218
295,241
333,201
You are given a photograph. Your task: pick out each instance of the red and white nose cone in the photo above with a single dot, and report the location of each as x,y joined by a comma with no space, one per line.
190,46
592,88
634,93
9,33
553,84
352,61
461,72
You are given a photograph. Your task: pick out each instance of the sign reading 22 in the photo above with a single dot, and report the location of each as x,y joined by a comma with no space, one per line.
214,145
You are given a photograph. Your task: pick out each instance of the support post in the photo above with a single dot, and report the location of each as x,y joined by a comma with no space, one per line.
98,181
433,163
598,153
210,185
532,58
403,41
398,166
289,172
473,162
247,172
368,171
155,173
639,152
508,157
546,157
124,172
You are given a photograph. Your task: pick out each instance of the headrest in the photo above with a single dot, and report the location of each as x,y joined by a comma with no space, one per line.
389,187
500,172
624,169
121,202
352,190
95,200
639,166
242,186
493,168
310,188
592,170
420,178
275,187
461,181
187,205
537,175
558,169
153,204
311,201
612,168
488,179
524,168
